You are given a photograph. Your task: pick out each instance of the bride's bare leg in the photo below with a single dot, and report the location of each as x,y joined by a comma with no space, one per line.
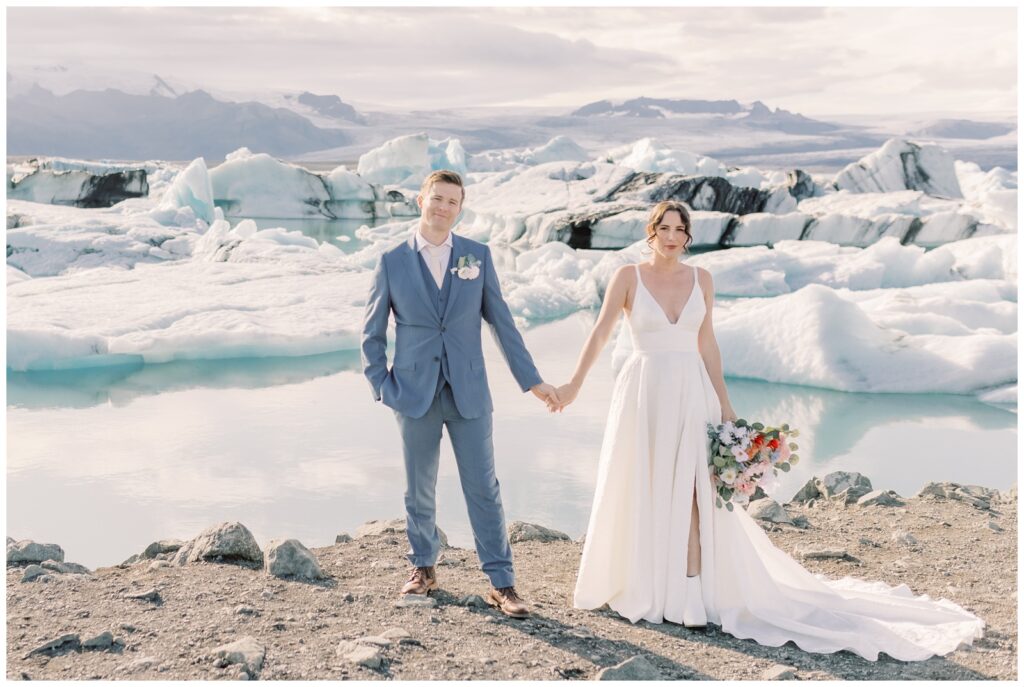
693,547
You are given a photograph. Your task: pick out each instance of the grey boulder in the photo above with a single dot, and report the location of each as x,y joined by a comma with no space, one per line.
769,510
636,668
66,568
520,531
28,551
164,546
395,526
246,652
228,542
881,497
290,558
977,496
32,572
844,487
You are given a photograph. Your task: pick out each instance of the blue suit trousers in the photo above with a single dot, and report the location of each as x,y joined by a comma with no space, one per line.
472,442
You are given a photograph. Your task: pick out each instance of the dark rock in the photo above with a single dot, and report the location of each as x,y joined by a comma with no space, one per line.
104,640
68,642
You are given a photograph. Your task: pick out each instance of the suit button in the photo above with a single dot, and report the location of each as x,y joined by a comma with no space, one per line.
443,329
436,359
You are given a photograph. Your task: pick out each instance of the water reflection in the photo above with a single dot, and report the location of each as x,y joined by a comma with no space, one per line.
296,447
119,385
338,232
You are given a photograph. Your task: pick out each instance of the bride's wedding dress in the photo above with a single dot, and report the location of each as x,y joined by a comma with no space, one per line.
634,557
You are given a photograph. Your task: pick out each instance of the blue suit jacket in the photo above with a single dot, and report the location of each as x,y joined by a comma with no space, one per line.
422,336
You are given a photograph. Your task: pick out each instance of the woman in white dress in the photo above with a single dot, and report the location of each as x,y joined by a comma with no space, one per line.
657,548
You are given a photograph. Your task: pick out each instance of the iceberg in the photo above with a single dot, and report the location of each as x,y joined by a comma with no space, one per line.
60,181
991,195
405,161
818,336
259,185
51,240
901,165
559,148
648,155
192,189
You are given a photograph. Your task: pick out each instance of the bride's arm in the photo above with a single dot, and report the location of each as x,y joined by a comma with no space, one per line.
708,346
614,303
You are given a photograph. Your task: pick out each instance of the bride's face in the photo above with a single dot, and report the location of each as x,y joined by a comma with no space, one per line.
670,235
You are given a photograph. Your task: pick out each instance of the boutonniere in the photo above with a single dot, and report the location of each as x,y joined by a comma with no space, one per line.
468,267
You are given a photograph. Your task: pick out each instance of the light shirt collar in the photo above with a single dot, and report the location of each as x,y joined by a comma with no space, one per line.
422,243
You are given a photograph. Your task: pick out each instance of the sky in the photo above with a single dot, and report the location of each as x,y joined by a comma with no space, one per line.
816,61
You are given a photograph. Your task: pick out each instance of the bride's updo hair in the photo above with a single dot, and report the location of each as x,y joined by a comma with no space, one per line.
658,214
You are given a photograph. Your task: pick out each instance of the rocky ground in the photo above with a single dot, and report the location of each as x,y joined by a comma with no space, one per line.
164,616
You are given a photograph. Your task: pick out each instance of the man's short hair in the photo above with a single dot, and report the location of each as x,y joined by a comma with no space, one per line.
445,175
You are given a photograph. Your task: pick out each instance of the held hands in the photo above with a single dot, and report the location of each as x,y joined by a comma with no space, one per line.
548,394
728,414
567,393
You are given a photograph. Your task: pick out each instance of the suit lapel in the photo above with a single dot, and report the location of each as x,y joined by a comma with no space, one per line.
456,285
413,260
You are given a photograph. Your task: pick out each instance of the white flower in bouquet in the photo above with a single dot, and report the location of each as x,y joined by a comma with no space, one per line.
739,454
729,475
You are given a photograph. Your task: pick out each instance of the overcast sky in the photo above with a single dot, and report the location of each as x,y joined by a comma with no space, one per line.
816,61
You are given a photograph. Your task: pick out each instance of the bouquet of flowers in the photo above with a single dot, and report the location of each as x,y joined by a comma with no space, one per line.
743,456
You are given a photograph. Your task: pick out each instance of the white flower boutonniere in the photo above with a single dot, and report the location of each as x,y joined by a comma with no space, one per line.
467,267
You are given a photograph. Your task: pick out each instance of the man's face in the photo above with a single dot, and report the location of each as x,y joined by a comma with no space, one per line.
440,205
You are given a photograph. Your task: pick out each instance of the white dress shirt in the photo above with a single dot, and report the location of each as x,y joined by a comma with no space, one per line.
436,257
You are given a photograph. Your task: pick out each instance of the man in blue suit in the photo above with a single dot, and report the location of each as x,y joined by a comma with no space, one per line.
441,287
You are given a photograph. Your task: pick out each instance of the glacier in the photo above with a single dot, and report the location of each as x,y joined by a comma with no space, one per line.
896,288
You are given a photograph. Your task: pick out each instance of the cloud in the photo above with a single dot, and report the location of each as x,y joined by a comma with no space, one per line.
809,59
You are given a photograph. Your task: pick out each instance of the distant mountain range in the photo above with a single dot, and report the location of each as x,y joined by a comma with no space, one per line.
114,124
328,106
964,128
71,111
756,115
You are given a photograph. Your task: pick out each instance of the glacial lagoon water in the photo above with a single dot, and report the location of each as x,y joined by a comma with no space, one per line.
103,462
337,232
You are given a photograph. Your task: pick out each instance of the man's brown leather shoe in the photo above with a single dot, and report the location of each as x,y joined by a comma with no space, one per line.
508,602
421,581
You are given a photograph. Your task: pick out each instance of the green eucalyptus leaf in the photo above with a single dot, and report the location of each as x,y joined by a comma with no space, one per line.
729,506
784,467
